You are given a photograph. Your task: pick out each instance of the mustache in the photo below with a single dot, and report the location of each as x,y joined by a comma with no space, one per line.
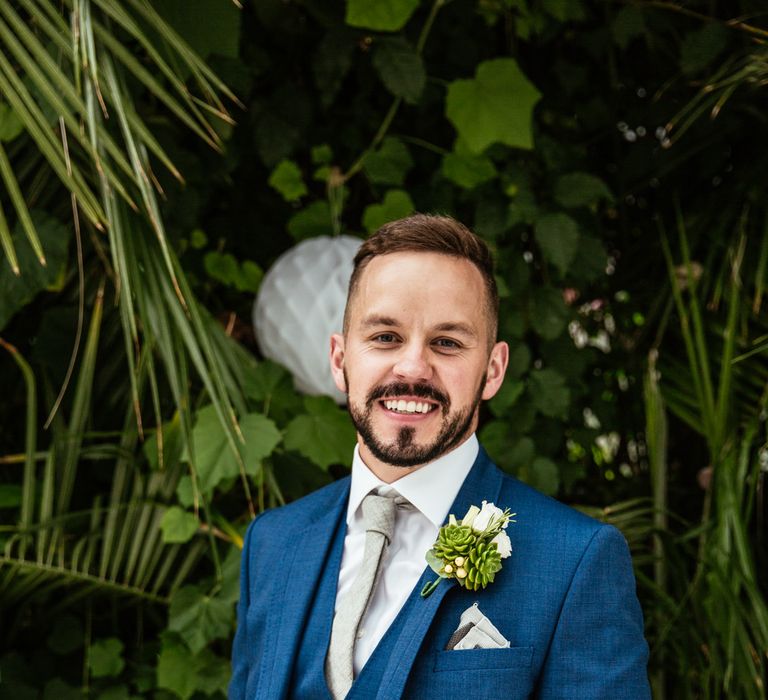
422,391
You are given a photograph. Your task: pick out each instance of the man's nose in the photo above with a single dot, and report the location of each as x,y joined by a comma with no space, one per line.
413,364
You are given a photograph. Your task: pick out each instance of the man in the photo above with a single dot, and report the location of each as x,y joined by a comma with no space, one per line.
330,602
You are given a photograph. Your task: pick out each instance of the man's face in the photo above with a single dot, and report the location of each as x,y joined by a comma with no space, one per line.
415,359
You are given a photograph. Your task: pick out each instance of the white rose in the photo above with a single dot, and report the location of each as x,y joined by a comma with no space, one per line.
469,518
503,544
487,514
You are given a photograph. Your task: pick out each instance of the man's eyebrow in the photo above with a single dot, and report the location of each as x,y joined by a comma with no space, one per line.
457,327
371,321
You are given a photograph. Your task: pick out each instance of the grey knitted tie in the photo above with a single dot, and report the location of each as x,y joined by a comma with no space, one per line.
379,519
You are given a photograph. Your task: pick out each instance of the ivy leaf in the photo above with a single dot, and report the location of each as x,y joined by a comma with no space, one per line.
215,461
494,107
105,658
213,27
66,636
175,668
322,154
558,238
396,205
549,313
10,124
249,277
332,62
221,267
325,434
400,68
388,164
628,24
17,292
314,220
701,47
286,178
507,450
199,618
178,525
542,474
590,260
549,393
564,10
381,15
580,190
519,360
506,397
467,169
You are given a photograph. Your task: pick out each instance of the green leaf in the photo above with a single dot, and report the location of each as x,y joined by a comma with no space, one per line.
494,107
178,525
580,190
199,618
249,277
590,260
519,360
564,10
314,220
209,26
221,267
549,393
396,205
215,461
467,169
381,15
66,636
17,292
322,154
58,689
628,24
176,668
549,313
558,238
400,68
325,435
10,495
701,47
286,178
506,397
116,692
332,61
542,474
506,449
198,239
10,124
105,658
389,164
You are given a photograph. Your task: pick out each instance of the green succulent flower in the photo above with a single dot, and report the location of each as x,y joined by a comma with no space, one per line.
454,541
481,566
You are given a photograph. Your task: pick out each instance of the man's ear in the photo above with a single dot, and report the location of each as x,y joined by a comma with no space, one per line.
337,361
497,368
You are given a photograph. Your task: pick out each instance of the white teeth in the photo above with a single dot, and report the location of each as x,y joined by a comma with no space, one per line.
402,406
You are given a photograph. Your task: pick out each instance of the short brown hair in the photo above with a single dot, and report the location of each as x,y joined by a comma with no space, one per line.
428,233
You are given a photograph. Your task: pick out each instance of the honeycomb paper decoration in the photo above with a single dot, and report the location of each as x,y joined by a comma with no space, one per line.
300,304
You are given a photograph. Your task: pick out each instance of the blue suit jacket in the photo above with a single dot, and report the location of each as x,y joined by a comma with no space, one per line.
565,599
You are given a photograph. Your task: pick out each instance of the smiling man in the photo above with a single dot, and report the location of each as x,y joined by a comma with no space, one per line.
330,587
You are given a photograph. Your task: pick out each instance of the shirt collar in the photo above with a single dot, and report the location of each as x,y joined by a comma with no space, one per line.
431,489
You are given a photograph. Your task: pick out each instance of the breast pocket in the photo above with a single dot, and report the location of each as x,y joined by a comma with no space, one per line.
489,673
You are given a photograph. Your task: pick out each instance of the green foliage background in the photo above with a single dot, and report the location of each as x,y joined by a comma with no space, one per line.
610,154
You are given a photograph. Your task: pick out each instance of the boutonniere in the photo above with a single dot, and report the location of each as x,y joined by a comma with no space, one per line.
470,550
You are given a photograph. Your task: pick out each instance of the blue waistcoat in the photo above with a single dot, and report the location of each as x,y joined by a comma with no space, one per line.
308,676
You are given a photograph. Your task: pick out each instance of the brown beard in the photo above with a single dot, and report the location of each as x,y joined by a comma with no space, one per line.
403,452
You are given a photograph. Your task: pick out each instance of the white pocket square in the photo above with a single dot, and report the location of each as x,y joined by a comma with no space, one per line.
476,631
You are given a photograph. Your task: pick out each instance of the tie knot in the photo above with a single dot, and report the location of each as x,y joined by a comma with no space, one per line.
379,512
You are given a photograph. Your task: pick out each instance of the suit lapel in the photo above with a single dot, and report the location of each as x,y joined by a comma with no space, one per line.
482,483
288,611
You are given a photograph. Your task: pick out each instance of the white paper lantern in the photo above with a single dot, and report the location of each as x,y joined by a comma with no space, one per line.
300,304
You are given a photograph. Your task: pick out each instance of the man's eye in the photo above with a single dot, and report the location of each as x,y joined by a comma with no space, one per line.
385,338
447,343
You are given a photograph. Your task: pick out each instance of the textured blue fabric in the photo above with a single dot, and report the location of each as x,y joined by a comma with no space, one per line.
565,599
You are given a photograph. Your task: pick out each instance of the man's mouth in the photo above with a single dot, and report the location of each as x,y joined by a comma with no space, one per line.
408,407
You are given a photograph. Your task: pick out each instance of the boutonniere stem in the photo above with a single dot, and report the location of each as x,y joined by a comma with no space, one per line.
470,550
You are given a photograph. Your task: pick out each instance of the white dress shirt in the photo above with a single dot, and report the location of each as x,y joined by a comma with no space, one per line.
431,490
